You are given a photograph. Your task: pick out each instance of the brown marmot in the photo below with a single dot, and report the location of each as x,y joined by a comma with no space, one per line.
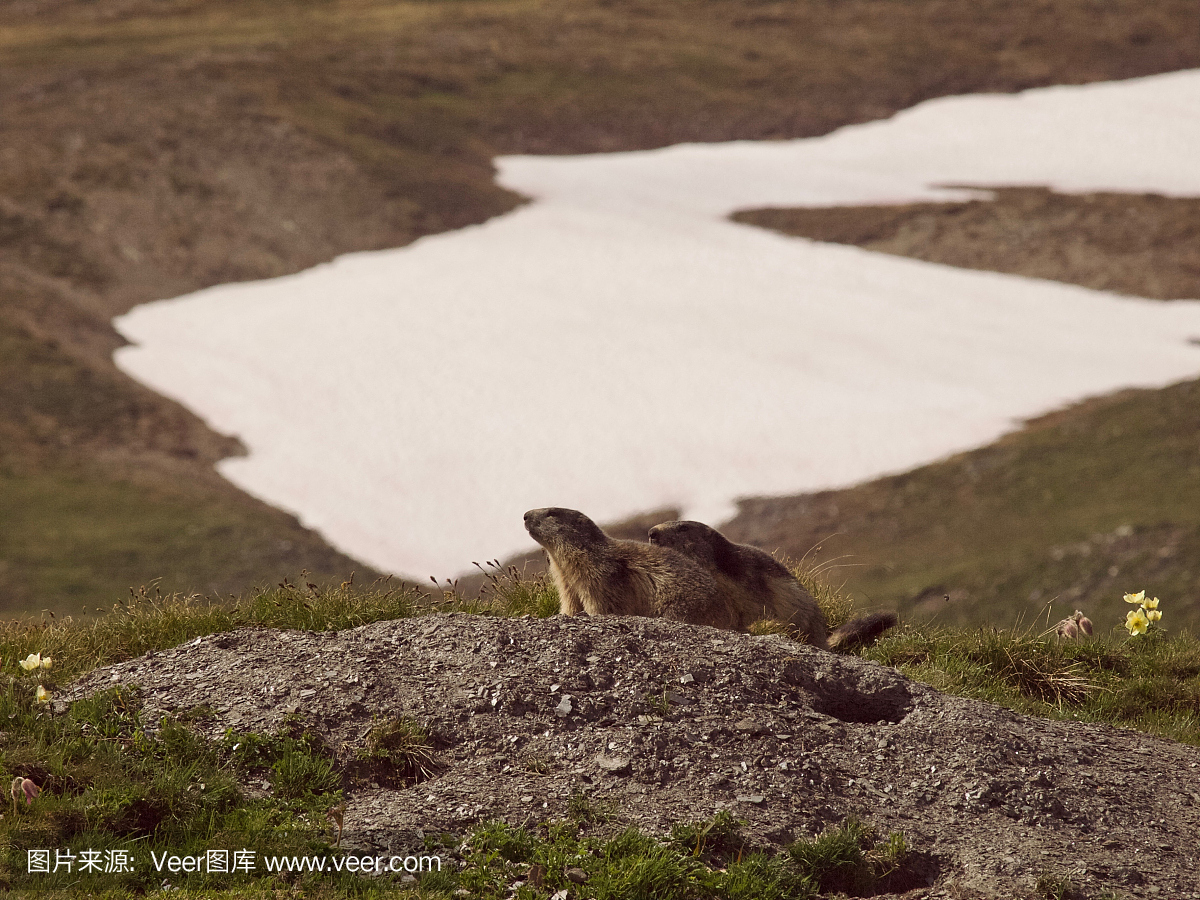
600,575
761,587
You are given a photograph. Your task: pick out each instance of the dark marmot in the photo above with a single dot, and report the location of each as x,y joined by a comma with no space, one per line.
761,587
600,575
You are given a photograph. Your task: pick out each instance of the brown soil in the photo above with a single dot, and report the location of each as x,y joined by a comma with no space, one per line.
1142,245
527,713
153,148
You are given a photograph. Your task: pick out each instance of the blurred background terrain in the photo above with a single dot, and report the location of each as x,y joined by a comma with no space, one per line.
149,148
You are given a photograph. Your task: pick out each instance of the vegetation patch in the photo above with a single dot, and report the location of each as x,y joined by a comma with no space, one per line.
705,859
115,794
398,752
1149,682
151,620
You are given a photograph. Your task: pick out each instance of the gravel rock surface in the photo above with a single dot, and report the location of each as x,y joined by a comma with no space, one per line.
671,722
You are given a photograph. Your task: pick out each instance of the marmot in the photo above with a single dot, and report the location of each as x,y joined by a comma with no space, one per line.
761,587
600,575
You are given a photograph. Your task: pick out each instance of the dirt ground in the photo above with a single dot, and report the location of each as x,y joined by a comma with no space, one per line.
671,722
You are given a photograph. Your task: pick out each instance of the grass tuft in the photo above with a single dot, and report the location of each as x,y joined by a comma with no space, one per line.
835,602
1151,682
153,621
698,859
398,753
510,591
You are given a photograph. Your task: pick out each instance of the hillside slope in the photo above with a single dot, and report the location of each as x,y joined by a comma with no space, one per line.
1082,505
153,148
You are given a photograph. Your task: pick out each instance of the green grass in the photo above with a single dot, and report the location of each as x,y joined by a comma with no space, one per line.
152,621
1150,682
108,783
77,538
697,860
398,753
78,533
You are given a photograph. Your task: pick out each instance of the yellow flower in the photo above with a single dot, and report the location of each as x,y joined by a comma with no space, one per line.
31,662
1136,621
1135,598
43,695
1153,615
1150,604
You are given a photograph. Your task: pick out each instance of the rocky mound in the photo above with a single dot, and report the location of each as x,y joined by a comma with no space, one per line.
672,722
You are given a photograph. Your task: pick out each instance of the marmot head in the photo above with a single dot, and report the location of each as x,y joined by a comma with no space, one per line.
555,527
694,539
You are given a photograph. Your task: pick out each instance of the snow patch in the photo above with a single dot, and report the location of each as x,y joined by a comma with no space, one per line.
619,345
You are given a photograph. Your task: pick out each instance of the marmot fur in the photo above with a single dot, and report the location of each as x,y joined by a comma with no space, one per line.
761,587
600,575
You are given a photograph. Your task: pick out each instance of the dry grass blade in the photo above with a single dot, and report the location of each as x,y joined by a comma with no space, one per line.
1049,683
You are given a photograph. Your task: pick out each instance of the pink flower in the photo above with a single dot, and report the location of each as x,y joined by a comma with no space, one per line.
1067,628
23,786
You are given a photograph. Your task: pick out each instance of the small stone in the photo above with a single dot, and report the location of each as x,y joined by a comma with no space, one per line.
614,765
687,679
576,876
750,798
564,707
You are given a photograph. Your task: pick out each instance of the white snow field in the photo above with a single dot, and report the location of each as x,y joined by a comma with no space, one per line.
618,345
